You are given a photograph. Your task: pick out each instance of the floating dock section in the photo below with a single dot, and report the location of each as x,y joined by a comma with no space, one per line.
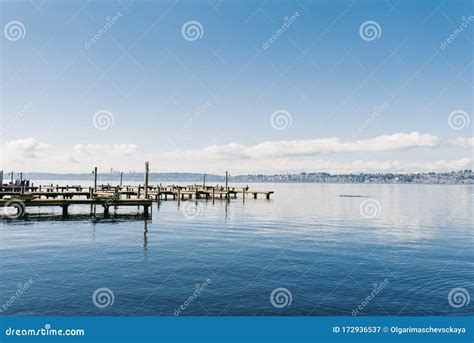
21,194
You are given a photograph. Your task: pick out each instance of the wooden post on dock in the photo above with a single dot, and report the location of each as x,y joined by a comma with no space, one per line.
227,184
147,169
95,179
22,188
204,182
1,178
12,177
95,187
121,178
116,197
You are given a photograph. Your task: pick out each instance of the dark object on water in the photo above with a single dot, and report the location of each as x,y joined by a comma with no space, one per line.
352,196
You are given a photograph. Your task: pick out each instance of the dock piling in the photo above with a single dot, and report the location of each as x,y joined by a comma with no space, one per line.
95,187
107,195
227,185
95,179
146,179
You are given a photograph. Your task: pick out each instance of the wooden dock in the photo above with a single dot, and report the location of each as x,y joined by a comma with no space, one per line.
22,195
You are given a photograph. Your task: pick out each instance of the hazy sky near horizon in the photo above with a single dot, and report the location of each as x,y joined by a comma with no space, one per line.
244,86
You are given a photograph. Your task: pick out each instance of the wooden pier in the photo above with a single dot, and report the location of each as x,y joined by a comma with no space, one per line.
21,195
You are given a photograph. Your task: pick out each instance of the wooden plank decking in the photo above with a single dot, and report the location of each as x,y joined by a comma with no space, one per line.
25,195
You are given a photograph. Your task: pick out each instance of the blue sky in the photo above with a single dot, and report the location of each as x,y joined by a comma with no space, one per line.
342,100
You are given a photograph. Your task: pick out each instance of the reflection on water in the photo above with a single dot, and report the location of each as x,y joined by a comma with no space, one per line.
327,250
145,231
55,215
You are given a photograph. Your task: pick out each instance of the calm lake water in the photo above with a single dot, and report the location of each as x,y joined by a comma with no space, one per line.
395,250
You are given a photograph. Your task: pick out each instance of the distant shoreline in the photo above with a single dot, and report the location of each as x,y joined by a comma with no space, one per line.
459,177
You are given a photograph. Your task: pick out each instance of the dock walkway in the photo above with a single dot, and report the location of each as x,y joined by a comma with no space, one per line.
28,195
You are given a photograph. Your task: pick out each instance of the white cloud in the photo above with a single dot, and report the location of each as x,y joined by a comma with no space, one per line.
268,157
23,148
397,141
463,142
30,154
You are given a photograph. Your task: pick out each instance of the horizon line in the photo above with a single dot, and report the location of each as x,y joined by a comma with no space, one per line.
240,174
